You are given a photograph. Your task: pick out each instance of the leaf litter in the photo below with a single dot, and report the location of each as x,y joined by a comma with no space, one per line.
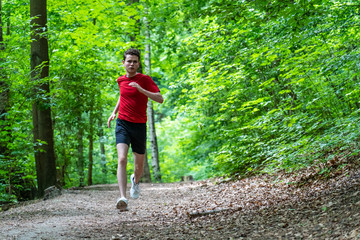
278,206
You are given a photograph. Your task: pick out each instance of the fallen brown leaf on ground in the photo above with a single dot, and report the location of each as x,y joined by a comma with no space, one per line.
261,207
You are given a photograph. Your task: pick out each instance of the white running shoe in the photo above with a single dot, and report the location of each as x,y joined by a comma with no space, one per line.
135,188
122,204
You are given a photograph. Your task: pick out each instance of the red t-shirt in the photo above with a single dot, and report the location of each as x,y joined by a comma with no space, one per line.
133,104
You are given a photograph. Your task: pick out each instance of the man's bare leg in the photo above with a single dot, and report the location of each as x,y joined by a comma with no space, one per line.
122,150
139,166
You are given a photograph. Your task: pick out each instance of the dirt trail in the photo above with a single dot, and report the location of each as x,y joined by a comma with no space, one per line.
254,208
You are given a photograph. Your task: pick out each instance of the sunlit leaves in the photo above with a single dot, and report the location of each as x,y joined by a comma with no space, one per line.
250,83
266,83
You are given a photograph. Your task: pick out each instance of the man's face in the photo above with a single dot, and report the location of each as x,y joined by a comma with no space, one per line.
131,64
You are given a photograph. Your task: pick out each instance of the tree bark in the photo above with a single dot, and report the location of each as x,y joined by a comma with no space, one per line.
80,146
43,130
91,148
153,144
102,151
133,35
146,177
150,110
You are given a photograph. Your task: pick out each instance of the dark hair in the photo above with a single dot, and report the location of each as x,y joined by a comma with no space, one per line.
132,51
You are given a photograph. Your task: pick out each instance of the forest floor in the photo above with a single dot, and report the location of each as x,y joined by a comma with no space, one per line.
280,206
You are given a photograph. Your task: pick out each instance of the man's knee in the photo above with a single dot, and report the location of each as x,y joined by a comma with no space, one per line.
122,161
139,157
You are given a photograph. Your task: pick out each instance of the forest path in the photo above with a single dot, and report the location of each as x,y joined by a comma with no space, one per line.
263,207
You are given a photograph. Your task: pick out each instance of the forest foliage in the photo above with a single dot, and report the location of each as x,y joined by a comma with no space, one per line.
249,86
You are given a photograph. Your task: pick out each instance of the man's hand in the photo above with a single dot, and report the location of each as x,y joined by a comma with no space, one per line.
135,85
112,117
153,96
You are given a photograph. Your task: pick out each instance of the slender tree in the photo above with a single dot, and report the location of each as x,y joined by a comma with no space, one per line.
146,175
150,110
43,129
102,150
91,146
80,152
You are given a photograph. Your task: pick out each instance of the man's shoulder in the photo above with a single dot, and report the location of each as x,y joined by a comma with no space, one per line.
121,78
141,75
144,77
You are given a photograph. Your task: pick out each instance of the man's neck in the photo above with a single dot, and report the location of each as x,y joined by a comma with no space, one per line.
129,75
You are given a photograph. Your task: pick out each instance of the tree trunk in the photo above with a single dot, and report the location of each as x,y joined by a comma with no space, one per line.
153,145
146,177
43,130
102,150
65,159
140,70
151,119
91,148
80,163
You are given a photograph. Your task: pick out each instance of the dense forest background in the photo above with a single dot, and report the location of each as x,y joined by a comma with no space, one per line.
250,86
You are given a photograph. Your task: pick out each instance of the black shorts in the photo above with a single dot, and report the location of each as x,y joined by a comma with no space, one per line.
131,133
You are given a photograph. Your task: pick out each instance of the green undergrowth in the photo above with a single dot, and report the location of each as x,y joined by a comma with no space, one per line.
330,145
294,149
340,140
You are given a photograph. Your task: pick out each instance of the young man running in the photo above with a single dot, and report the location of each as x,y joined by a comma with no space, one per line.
135,89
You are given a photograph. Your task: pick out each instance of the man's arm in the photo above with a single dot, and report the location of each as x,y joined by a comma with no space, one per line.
113,115
157,97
